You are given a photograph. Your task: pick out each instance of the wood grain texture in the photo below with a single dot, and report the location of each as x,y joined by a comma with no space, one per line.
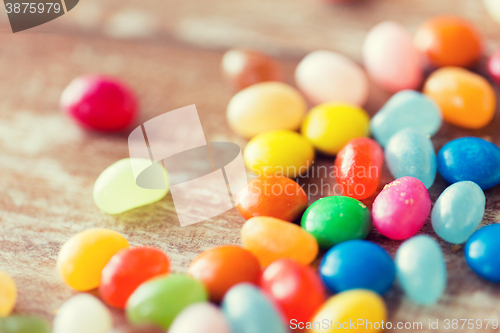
171,57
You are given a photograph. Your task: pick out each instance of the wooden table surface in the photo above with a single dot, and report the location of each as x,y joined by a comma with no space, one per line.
170,53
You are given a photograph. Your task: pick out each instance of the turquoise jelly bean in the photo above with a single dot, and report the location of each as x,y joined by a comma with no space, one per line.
458,212
249,311
406,109
421,269
411,153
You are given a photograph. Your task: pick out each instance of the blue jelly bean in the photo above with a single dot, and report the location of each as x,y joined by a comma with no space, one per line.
458,212
421,269
406,109
411,153
482,252
471,159
357,264
249,311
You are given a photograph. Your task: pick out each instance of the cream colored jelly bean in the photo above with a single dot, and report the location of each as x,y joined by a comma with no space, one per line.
83,313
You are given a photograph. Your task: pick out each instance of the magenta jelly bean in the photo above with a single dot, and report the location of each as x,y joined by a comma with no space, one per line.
401,208
100,103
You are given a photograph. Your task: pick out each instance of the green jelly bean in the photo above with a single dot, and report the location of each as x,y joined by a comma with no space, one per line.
336,219
160,300
24,324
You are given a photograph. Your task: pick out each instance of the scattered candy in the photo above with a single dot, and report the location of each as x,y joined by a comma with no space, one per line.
265,106
273,196
100,103
481,252
336,219
493,8
466,99
295,288
282,153
449,41
24,324
494,65
329,127
8,294
326,76
411,153
357,264
458,212
471,159
421,269
358,166
83,313
115,190
401,208
127,269
82,258
270,239
406,109
222,267
200,318
160,300
391,59
249,311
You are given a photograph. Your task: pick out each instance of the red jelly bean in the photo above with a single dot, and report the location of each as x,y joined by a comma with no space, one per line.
358,166
100,103
494,66
295,288
127,269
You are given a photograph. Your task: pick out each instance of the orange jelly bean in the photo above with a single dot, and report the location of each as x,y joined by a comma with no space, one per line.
274,196
222,267
466,99
449,41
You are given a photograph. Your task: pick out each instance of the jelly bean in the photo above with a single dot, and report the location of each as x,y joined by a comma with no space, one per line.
401,208
325,76
24,324
139,329
458,212
100,103
358,166
406,109
200,318
421,269
249,311
127,269
411,153
363,307
493,8
224,266
449,41
265,107
282,153
270,239
494,66
329,127
336,219
391,59
481,252
471,159
82,258
160,300
83,313
357,264
273,196
295,288
243,68
115,190
8,294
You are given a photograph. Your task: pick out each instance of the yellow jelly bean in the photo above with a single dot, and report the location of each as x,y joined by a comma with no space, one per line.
82,258
283,153
329,126
357,310
8,294
270,239
265,107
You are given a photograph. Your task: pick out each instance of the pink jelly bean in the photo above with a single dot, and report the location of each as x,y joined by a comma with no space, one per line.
402,208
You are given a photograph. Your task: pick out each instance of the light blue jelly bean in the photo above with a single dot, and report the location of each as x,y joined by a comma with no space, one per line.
421,270
458,212
406,109
249,311
411,153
